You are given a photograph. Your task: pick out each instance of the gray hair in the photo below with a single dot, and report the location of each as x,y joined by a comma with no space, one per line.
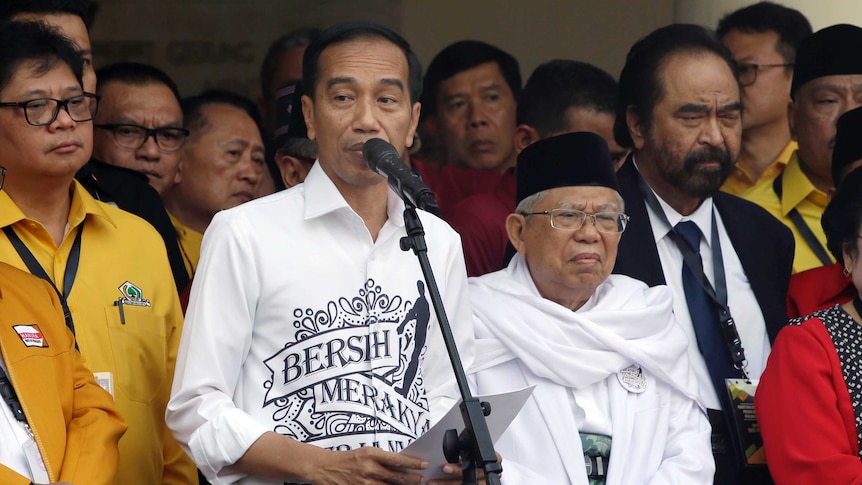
529,203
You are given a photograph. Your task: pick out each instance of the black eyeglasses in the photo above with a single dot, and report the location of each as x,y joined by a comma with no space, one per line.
748,72
134,136
573,219
43,111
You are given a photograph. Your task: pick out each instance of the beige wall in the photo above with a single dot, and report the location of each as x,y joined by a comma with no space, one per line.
534,31
821,13
221,43
215,43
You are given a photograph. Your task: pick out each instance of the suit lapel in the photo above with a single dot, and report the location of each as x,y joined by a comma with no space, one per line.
637,256
754,260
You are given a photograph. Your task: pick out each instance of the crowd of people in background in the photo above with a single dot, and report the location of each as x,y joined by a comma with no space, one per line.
206,288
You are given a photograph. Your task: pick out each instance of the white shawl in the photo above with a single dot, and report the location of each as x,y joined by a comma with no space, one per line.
623,323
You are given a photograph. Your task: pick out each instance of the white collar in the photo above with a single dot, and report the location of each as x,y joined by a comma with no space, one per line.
323,197
702,217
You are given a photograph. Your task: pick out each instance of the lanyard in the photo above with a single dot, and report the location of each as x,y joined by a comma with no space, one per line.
37,270
717,294
801,226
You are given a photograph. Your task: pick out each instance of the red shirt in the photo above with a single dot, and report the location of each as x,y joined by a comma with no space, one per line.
817,289
453,184
481,222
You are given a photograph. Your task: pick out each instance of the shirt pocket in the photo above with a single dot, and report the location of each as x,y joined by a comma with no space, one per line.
138,345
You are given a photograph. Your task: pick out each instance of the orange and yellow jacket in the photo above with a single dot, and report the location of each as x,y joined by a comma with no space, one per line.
74,421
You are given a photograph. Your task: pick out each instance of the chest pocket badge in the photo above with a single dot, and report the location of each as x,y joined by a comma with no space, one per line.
132,295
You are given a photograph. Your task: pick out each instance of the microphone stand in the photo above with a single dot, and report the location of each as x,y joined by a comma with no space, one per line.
473,447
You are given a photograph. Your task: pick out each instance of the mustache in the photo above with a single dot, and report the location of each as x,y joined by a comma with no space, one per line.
711,154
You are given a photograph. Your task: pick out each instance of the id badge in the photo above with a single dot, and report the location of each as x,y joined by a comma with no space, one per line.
35,462
106,381
745,428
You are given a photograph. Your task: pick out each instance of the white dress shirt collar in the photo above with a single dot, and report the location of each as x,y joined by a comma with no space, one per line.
323,197
702,217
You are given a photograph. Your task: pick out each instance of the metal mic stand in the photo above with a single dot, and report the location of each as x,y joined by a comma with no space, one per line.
473,447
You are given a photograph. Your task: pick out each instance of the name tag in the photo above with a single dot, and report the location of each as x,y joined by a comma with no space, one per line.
744,423
106,381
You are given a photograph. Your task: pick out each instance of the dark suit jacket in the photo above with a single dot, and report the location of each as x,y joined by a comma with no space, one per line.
764,245
132,192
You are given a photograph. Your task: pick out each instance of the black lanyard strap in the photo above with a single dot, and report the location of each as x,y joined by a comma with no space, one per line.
718,293
801,226
10,397
36,269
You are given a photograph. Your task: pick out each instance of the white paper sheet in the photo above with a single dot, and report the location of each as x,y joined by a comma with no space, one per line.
429,446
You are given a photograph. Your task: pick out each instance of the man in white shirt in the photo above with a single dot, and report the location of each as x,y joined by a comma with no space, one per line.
613,382
680,110
305,315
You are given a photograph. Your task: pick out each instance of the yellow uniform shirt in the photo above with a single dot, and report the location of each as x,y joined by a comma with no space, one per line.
190,244
120,254
739,180
797,192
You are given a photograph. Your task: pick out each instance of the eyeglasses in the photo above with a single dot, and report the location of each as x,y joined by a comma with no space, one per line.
43,111
134,136
572,219
748,72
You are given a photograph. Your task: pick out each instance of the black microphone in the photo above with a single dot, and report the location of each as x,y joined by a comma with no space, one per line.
383,159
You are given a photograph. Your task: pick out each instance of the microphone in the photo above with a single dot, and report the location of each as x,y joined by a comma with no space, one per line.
383,159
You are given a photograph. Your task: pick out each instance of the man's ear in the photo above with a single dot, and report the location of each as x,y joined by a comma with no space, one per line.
516,224
178,177
636,129
293,170
415,110
525,135
308,114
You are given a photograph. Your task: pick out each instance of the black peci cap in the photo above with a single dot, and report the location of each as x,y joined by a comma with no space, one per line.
832,51
580,158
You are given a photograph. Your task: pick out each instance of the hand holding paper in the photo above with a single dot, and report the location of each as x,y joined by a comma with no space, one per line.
429,446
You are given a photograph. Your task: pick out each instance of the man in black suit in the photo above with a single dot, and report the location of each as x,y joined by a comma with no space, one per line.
680,111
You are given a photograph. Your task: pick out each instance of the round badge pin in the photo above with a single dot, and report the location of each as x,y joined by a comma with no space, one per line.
632,379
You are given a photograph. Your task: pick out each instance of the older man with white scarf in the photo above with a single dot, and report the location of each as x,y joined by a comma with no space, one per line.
615,400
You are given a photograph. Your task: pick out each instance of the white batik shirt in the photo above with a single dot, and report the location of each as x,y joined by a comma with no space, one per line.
301,324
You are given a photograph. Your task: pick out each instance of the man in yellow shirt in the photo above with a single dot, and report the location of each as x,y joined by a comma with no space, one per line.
109,267
763,39
827,82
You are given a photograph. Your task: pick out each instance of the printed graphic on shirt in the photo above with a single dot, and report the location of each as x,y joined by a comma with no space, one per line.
31,335
351,375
